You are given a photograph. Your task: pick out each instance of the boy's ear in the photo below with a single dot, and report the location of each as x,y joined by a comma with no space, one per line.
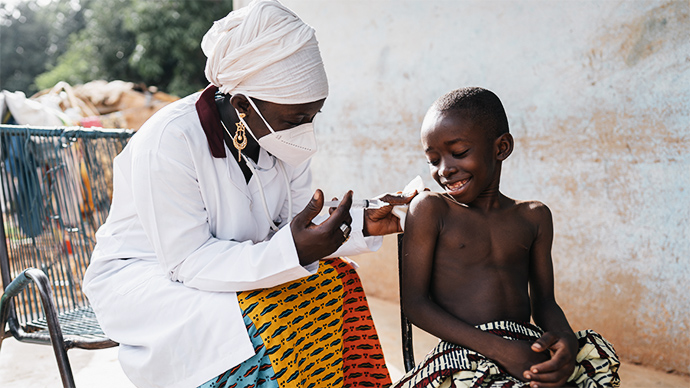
504,146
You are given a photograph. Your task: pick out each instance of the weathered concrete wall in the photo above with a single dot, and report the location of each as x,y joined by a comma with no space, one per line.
598,98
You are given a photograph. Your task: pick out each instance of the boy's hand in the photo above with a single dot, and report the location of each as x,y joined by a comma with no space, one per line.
518,356
555,372
381,221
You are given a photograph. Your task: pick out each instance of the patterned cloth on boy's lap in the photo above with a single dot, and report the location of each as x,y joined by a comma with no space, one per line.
314,332
449,365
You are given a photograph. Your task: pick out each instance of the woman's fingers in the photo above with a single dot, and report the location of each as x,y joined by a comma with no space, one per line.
314,242
310,211
398,198
340,214
332,209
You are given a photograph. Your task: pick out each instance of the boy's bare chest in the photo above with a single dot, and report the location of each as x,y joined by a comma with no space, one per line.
486,241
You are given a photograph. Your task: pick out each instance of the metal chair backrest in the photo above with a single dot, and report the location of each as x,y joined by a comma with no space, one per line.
405,325
56,189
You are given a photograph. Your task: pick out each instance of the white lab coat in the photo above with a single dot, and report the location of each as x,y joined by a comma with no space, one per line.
185,231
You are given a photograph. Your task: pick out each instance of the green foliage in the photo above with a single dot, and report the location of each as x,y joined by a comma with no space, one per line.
73,68
32,38
168,37
152,42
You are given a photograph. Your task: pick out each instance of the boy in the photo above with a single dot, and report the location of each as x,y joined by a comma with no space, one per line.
477,266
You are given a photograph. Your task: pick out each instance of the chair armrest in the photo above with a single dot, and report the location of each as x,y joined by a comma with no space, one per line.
42,283
16,286
12,290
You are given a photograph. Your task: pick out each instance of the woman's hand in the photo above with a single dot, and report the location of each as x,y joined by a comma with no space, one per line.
314,242
381,221
562,348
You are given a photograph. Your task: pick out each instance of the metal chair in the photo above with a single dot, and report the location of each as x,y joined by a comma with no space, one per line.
406,326
56,191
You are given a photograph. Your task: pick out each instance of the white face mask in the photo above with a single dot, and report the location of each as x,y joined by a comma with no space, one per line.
293,146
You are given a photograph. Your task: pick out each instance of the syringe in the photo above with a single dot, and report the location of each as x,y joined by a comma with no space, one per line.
359,203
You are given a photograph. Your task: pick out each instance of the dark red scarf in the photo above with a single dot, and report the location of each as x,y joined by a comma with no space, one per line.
210,121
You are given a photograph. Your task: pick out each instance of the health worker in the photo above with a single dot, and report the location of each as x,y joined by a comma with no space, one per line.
210,270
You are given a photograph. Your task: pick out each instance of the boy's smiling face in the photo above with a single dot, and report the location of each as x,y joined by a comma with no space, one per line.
462,158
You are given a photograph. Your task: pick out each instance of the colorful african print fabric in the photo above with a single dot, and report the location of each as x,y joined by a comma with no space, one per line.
449,365
314,332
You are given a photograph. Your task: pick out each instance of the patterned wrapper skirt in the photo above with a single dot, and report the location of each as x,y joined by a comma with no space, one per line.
313,332
449,365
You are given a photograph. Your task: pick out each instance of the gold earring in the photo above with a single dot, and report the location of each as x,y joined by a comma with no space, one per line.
240,138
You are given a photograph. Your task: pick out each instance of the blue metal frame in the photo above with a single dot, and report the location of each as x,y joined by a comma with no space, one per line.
10,324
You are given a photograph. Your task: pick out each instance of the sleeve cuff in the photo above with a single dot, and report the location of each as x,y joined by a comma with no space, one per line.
286,234
357,243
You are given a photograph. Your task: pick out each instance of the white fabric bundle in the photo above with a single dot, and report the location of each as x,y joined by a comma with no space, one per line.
400,211
265,51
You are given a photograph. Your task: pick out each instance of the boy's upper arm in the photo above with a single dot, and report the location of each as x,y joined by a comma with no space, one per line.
422,227
541,264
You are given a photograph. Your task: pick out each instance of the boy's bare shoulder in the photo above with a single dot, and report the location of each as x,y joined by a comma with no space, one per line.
534,210
428,202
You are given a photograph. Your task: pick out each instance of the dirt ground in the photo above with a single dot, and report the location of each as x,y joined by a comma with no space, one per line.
25,365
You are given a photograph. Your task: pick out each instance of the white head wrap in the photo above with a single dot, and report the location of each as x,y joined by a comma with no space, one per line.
265,51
